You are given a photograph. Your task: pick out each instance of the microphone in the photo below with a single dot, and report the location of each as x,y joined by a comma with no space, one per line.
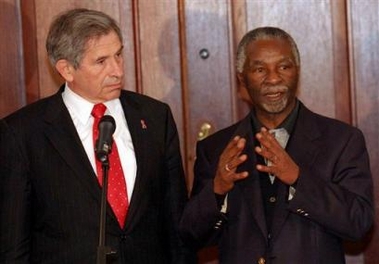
103,145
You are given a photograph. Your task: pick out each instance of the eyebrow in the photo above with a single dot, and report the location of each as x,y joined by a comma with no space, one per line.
104,57
260,62
121,49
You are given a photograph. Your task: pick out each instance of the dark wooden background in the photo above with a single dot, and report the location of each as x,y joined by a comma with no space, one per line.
164,44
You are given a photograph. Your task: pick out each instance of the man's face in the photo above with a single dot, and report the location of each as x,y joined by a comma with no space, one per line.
270,76
100,75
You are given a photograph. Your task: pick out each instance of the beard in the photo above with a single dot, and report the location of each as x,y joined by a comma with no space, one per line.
275,106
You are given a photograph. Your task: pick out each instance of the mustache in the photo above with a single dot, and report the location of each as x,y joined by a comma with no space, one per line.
270,89
114,81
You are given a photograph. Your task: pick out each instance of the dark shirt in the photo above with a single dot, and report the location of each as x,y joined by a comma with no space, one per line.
288,123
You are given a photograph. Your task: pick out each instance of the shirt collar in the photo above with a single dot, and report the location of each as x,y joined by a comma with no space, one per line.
83,108
288,123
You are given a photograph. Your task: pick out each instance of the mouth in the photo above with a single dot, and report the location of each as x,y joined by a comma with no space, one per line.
115,86
274,93
274,96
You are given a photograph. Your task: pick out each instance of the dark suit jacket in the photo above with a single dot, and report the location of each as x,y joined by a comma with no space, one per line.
50,196
333,199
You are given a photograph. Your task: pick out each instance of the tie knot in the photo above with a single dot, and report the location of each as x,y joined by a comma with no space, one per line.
281,136
98,110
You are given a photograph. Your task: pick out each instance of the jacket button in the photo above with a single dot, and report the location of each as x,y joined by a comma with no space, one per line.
261,261
123,237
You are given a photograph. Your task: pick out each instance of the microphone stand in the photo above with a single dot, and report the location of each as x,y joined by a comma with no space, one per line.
102,250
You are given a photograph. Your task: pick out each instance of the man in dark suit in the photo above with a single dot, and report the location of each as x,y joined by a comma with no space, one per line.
284,185
50,192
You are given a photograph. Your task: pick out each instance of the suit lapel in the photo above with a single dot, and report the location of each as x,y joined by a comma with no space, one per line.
303,150
302,144
300,147
62,134
138,130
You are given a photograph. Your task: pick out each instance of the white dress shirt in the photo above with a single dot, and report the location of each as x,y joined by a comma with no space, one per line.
80,111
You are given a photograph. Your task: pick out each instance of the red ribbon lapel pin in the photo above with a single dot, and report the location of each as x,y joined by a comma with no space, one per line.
143,124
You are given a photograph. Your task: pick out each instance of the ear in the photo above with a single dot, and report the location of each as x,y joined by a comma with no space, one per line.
65,69
242,92
241,79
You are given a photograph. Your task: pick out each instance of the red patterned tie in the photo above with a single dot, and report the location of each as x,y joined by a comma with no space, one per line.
117,193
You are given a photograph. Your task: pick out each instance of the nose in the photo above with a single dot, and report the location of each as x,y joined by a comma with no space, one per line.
117,67
273,77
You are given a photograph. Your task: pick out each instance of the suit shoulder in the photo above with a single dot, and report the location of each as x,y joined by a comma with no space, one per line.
142,100
330,125
332,121
30,112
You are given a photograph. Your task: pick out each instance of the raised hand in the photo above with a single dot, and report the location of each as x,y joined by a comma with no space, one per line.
281,164
229,160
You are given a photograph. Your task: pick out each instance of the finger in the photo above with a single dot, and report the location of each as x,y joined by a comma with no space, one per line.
224,183
235,162
266,153
233,150
230,167
232,144
267,169
266,139
236,146
240,176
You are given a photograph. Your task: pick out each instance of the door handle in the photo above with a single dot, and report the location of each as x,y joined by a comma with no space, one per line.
205,130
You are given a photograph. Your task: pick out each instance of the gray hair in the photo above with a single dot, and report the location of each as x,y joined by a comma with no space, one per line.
71,30
263,33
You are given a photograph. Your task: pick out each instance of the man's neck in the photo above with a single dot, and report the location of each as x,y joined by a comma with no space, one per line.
274,120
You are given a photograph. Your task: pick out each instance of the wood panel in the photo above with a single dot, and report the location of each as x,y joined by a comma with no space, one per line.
210,70
239,26
159,55
337,39
210,76
30,57
12,88
364,38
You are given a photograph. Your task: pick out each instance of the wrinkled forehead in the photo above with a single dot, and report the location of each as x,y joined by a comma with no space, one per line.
265,48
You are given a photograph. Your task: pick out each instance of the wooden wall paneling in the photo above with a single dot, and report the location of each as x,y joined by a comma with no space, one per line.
159,56
212,94
12,87
339,38
310,24
239,26
163,40
211,86
185,95
364,38
30,57
126,16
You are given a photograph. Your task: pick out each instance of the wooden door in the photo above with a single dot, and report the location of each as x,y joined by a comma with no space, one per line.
12,83
363,23
182,52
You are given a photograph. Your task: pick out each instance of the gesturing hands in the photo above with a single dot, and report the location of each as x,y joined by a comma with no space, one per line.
229,160
282,165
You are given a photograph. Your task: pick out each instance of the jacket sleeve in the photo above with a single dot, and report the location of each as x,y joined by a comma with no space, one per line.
336,190
202,220
176,195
